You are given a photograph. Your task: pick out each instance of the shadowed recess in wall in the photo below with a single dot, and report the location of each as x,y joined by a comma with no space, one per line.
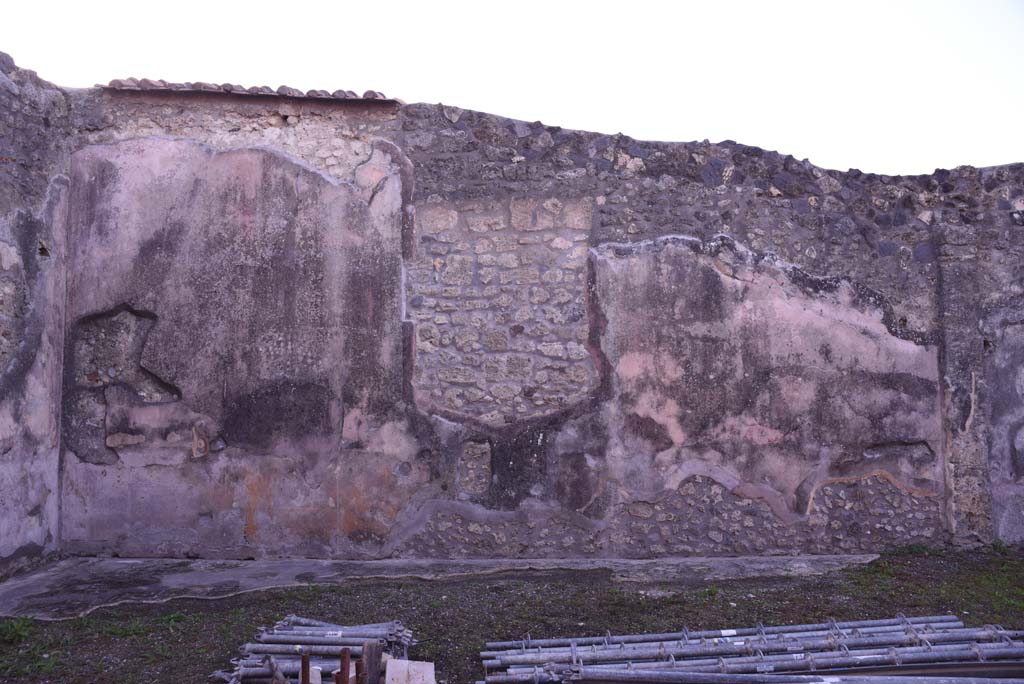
104,381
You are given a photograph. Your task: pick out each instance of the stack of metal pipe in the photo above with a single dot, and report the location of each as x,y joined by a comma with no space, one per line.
276,654
928,649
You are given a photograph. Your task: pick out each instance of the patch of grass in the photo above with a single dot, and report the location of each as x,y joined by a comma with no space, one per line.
1004,586
175,621
45,663
33,661
15,630
873,577
914,550
83,625
158,653
709,592
132,628
1000,547
147,642
881,569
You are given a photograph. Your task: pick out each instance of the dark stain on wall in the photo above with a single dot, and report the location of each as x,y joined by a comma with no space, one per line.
281,409
34,133
27,310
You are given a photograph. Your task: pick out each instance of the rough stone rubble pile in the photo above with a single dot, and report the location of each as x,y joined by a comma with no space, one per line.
925,650
324,649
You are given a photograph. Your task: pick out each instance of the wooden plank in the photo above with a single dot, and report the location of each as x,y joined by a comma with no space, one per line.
372,652
409,672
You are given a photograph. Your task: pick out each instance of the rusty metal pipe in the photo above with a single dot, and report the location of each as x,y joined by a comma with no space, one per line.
360,671
345,665
296,644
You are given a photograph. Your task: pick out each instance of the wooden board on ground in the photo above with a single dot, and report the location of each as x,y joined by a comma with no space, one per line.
409,672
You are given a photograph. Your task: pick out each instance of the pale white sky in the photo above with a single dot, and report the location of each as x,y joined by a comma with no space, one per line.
884,86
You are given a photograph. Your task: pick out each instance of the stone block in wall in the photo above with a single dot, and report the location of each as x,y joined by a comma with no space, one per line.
533,214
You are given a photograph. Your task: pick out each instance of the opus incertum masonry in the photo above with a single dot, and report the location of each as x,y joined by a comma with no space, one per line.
245,323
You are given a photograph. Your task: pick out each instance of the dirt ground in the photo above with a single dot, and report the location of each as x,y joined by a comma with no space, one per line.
185,640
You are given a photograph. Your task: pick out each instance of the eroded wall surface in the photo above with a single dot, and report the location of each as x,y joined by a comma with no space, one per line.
33,128
942,254
1005,380
300,326
234,314
734,366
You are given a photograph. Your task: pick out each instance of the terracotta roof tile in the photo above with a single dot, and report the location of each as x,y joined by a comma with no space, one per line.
231,88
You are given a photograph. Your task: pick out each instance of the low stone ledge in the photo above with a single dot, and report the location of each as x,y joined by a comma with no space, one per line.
76,586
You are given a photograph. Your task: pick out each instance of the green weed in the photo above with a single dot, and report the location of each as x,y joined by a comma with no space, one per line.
15,630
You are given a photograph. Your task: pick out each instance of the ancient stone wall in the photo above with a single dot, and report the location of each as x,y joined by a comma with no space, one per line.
232,313
356,328
497,292
33,129
940,255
